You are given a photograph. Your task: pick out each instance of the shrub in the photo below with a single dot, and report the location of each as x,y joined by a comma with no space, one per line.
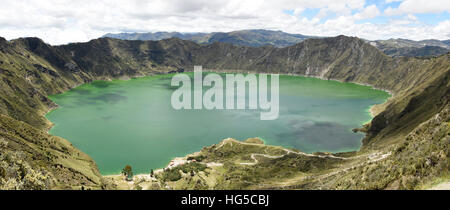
193,166
171,175
199,158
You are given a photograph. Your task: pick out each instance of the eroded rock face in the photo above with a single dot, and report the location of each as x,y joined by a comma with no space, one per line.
45,70
3,43
72,67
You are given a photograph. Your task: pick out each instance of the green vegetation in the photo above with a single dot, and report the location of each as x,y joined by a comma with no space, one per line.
198,158
127,171
192,167
238,170
32,159
419,159
173,174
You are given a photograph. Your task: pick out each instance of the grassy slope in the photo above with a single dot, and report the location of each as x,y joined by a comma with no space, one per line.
420,158
31,69
32,159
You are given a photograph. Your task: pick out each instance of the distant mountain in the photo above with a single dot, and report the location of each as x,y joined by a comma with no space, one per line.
252,38
415,52
411,48
197,37
256,38
411,43
260,37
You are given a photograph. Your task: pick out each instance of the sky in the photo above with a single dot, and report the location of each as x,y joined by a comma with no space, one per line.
64,21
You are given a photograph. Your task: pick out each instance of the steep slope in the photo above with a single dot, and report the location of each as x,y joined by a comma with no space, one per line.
30,70
32,159
415,52
418,162
27,78
415,104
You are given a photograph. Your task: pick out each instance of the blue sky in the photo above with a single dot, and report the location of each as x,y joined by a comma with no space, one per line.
64,21
430,18
426,18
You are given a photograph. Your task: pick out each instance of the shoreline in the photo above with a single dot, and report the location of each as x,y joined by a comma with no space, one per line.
301,75
182,160
174,162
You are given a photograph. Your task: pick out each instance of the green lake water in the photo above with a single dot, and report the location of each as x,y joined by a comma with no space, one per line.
133,122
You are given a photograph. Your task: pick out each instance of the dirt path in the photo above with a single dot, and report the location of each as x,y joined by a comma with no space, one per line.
319,156
145,180
256,160
374,157
441,186
231,141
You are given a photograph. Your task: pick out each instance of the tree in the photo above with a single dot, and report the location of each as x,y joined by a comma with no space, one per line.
127,171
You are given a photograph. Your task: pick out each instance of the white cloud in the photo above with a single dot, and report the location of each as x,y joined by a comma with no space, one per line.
419,7
63,21
390,1
368,12
412,17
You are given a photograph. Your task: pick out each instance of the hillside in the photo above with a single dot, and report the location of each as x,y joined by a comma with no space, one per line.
30,70
410,48
32,159
414,44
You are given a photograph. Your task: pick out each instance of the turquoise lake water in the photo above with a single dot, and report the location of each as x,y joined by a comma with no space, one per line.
132,122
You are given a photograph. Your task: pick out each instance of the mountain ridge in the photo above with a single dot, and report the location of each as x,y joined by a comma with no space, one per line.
261,37
252,38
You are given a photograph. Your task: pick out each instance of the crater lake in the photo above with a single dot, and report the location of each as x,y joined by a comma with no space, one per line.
132,122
